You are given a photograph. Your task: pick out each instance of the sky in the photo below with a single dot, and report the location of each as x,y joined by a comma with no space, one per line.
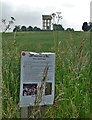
29,12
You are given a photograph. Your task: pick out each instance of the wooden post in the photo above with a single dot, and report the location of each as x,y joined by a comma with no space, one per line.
24,112
43,111
91,61
27,112
0,76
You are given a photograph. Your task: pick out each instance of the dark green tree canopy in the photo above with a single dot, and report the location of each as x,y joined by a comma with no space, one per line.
86,26
16,29
36,29
58,27
30,28
69,29
23,28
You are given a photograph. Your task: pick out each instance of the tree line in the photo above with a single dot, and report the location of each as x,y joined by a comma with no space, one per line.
23,28
85,27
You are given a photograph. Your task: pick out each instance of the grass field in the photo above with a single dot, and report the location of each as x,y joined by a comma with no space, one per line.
72,81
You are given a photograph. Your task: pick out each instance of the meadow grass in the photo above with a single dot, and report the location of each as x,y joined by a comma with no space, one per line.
0,75
72,80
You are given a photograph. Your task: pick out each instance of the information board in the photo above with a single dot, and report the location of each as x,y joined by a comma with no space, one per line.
33,66
91,11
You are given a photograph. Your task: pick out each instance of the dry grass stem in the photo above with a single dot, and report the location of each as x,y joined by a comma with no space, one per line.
38,97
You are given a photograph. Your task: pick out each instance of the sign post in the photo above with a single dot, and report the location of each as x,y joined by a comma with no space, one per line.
91,57
37,82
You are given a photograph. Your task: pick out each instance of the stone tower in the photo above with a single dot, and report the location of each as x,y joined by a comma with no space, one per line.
46,21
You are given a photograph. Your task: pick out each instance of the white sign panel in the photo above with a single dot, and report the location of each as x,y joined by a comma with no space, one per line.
37,78
91,11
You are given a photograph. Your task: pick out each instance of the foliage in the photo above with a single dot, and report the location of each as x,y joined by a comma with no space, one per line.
36,29
30,28
23,28
58,27
17,28
69,29
86,26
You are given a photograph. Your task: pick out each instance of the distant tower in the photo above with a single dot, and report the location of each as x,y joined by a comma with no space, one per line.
46,22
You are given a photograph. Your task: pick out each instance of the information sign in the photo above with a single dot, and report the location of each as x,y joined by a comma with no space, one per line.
37,69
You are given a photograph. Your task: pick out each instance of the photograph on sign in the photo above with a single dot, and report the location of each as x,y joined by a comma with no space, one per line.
34,73
29,89
48,88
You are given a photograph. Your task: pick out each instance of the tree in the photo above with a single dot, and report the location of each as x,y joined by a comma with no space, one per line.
23,28
17,28
30,28
85,26
36,29
58,27
14,30
69,29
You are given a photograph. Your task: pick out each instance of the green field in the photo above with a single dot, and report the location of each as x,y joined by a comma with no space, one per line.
72,81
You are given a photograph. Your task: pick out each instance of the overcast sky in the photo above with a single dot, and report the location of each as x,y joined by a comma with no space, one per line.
29,12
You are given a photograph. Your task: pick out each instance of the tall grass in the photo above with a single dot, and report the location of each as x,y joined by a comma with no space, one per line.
72,81
11,81
0,75
73,78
